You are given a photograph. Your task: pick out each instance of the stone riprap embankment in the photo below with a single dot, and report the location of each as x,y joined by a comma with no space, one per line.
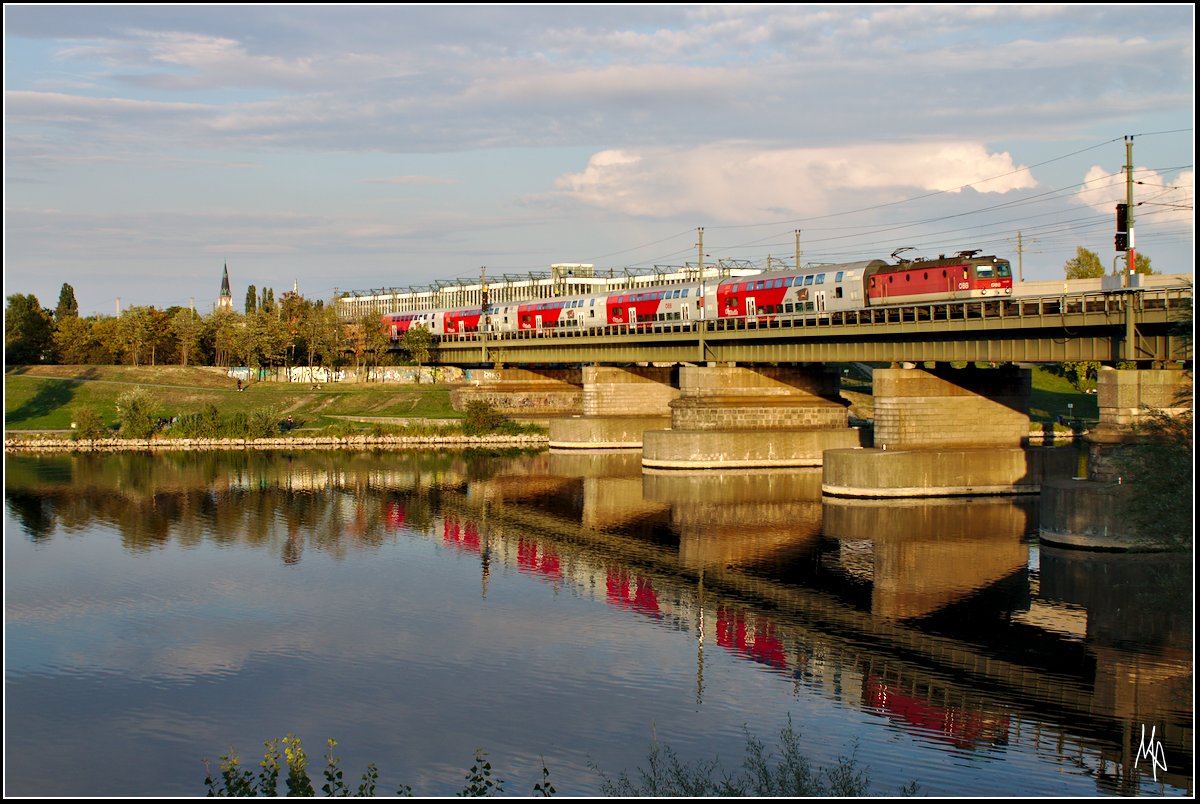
51,444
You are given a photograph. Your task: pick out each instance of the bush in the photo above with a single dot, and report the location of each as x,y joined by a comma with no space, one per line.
763,774
262,423
133,414
481,418
88,425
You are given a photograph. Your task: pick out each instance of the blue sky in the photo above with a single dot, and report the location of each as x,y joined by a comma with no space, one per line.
388,146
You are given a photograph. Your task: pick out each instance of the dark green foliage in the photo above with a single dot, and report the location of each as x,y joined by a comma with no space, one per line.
88,425
479,779
134,415
28,331
481,418
1081,375
67,306
262,423
544,788
763,773
1158,469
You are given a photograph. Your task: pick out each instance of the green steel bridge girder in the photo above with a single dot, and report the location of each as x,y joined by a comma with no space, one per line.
1148,326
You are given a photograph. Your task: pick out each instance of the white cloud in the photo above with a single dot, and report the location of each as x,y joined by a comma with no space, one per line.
1156,199
737,182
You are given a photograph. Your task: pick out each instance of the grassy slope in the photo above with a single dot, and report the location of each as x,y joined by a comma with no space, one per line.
45,397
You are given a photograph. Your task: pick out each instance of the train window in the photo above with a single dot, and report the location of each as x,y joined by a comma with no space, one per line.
837,292
820,279
838,276
983,271
907,276
944,274
789,308
1003,269
808,280
926,274
964,272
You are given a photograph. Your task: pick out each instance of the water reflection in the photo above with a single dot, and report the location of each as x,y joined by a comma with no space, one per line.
936,619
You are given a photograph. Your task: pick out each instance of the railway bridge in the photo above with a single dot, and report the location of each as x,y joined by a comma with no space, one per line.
756,392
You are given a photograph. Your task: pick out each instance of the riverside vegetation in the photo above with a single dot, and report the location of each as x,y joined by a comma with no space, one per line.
91,402
784,772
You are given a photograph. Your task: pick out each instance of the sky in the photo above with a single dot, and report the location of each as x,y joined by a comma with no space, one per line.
350,148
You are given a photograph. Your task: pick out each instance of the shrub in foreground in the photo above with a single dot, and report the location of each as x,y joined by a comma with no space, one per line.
785,772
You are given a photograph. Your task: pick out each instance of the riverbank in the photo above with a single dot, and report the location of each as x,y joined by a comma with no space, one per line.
56,444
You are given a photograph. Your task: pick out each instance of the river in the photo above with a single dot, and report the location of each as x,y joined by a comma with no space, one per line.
567,609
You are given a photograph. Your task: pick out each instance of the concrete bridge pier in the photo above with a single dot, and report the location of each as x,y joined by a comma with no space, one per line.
619,404
943,432
751,417
1089,513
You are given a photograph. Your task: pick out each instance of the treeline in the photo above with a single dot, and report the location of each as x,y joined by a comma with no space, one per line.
269,334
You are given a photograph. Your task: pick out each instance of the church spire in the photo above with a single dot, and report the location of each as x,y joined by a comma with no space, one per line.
225,301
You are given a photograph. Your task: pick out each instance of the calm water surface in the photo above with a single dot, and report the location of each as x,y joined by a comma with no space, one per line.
566,607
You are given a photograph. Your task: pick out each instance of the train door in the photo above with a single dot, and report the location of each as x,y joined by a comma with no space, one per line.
537,323
685,311
750,308
819,297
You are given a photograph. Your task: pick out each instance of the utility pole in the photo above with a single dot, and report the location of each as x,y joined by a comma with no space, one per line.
797,249
702,324
1130,255
118,307
1020,261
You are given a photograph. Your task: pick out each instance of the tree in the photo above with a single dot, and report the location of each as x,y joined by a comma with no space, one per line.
67,306
1084,265
106,332
1141,264
321,331
187,328
137,331
75,341
417,341
28,331
251,300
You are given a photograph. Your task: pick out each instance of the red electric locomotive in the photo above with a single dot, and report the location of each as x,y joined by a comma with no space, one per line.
963,276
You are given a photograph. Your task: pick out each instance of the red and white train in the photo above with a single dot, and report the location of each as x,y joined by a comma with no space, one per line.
814,291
